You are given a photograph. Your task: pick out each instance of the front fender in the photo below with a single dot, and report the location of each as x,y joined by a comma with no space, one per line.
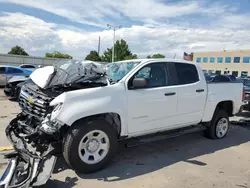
75,108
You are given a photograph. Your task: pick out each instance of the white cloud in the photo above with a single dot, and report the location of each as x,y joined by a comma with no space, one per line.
226,29
96,12
30,32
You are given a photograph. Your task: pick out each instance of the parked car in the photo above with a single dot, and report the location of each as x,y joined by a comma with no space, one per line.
208,77
232,78
88,108
28,66
222,78
246,83
13,87
7,72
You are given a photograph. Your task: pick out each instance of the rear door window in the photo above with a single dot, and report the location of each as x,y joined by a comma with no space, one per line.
14,71
186,73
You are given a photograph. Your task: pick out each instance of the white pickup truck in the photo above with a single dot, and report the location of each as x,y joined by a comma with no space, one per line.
88,108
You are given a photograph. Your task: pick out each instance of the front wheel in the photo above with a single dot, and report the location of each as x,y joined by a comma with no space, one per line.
219,125
90,146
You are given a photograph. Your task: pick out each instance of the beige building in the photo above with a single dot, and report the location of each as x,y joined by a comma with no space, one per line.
236,62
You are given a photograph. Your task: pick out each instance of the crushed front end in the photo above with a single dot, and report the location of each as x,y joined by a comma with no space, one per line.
36,133
35,140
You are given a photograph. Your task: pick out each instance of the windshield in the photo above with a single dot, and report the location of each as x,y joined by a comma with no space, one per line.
117,70
69,71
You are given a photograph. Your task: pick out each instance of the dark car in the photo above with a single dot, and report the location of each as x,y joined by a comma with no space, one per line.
7,72
13,87
223,78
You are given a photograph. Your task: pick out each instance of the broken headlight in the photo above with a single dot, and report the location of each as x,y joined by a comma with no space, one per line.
51,124
56,111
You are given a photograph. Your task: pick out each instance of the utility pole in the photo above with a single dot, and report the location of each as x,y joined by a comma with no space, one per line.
114,28
99,44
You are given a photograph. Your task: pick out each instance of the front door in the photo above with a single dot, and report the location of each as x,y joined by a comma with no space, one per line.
154,107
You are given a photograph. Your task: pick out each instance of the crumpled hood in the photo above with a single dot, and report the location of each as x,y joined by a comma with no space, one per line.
41,76
67,72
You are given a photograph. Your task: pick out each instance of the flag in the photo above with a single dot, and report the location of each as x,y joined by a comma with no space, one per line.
186,57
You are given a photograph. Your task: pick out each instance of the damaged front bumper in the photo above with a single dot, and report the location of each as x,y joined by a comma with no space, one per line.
22,174
26,168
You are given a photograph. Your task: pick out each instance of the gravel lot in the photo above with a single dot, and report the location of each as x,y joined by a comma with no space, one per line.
187,161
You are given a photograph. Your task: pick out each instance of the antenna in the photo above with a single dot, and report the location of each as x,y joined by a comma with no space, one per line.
174,56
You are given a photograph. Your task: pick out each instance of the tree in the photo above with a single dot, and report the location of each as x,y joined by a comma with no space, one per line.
17,50
156,56
57,54
93,56
122,52
134,56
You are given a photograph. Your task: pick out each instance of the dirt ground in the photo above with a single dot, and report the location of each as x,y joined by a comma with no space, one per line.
188,161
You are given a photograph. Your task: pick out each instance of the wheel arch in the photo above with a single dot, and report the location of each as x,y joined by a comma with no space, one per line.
113,119
227,106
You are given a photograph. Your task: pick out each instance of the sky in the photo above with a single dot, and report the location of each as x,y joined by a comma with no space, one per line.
169,27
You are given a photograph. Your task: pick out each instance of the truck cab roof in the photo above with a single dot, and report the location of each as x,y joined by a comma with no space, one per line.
155,60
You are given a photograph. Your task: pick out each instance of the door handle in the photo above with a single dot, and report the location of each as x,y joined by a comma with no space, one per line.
199,90
170,94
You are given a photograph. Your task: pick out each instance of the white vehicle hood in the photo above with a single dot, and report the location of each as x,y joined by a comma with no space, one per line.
41,76
65,72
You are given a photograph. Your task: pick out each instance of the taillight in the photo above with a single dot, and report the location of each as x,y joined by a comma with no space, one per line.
243,94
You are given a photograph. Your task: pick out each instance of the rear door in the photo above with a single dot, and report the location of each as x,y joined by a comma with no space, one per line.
152,108
192,93
11,71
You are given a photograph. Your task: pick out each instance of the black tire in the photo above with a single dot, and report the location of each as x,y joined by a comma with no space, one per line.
211,130
72,141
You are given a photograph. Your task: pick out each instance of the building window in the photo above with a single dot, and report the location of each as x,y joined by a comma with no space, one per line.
218,72
212,59
198,59
219,59
246,59
228,60
205,59
235,73
244,74
236,59
226,72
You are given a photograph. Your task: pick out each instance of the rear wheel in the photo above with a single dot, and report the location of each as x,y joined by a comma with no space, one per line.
219,125
90,146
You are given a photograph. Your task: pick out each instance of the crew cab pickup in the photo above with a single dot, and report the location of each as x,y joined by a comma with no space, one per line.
87,108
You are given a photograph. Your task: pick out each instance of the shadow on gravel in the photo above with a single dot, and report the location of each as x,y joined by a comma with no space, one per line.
133,162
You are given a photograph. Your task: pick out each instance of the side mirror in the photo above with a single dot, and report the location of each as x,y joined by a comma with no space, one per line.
139,83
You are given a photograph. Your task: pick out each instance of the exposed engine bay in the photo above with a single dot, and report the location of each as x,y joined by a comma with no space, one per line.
35,137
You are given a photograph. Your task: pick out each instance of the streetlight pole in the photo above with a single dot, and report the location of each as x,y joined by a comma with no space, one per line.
99,44
114,28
